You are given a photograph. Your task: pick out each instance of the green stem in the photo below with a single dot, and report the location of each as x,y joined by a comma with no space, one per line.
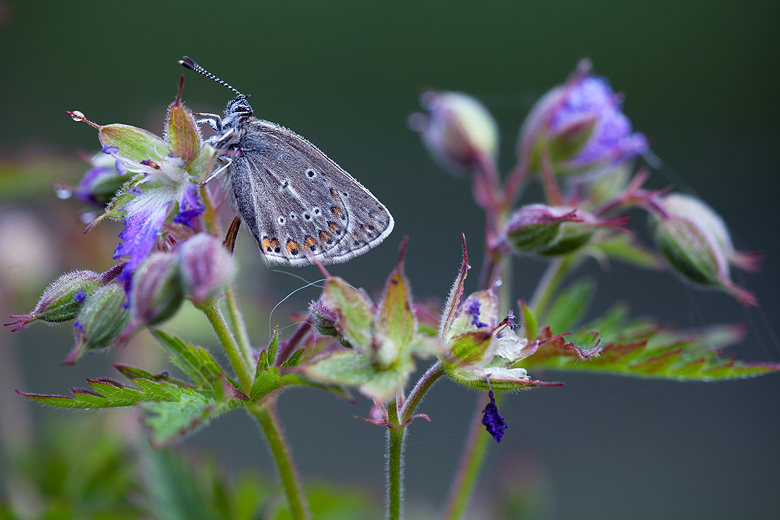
396,435
469,466
423,385
553,276
240,366
238,325
269,421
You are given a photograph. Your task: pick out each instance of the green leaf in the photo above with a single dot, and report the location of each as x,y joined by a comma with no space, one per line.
570,306
642,348
294,358
529,323
196,362
355,311
109,394
190,411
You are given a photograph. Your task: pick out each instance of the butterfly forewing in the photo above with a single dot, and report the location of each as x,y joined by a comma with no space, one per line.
298,203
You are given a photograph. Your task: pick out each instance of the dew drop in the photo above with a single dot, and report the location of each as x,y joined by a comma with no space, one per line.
62,192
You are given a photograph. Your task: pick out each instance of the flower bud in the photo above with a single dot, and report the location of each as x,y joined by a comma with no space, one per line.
100,321
580,125
697,245
206,267
457,130
550,231
157,291
323,319
100,184
181,130
62,300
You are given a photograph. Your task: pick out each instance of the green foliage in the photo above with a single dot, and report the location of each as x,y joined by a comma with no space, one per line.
642,348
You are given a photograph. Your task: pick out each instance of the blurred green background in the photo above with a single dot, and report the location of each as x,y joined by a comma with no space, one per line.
701,79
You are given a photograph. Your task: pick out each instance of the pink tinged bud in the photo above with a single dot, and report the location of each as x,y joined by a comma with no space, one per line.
580,125
181,131
206,267
100,321
324,319
457,131
62,300
157,291
697,245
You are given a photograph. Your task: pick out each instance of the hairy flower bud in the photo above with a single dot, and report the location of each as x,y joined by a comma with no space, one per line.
157,290
457,130
580,125
100,321
323,319
551,231
695,241
62,300
206,267
100,184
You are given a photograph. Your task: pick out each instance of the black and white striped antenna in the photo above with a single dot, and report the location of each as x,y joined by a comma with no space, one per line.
189,63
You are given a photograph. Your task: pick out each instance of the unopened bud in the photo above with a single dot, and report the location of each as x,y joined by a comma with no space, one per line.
100,184
100,321
551,231
206,267
697,245
323,319
580,125
457,130
157,291
62,300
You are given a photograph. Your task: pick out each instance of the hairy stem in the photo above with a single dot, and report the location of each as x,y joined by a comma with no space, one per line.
241,367
423,385
396,435
280,450
238,325
469,466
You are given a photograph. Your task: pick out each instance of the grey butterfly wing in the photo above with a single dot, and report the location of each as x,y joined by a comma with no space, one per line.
298,203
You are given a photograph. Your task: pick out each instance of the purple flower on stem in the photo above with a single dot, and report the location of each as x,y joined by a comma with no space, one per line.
80,295
579,126
493,421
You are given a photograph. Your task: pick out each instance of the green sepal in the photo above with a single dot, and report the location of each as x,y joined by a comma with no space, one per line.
570,306
345,367
395,318
456,293
488,309
571,236
468,379
470,348
135,144
182,132
354,309
294,358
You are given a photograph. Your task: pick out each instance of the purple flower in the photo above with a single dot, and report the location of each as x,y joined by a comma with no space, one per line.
580,125
80,295
473,310
493,421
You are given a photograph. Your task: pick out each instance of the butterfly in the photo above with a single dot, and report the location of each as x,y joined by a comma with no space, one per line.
298,204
